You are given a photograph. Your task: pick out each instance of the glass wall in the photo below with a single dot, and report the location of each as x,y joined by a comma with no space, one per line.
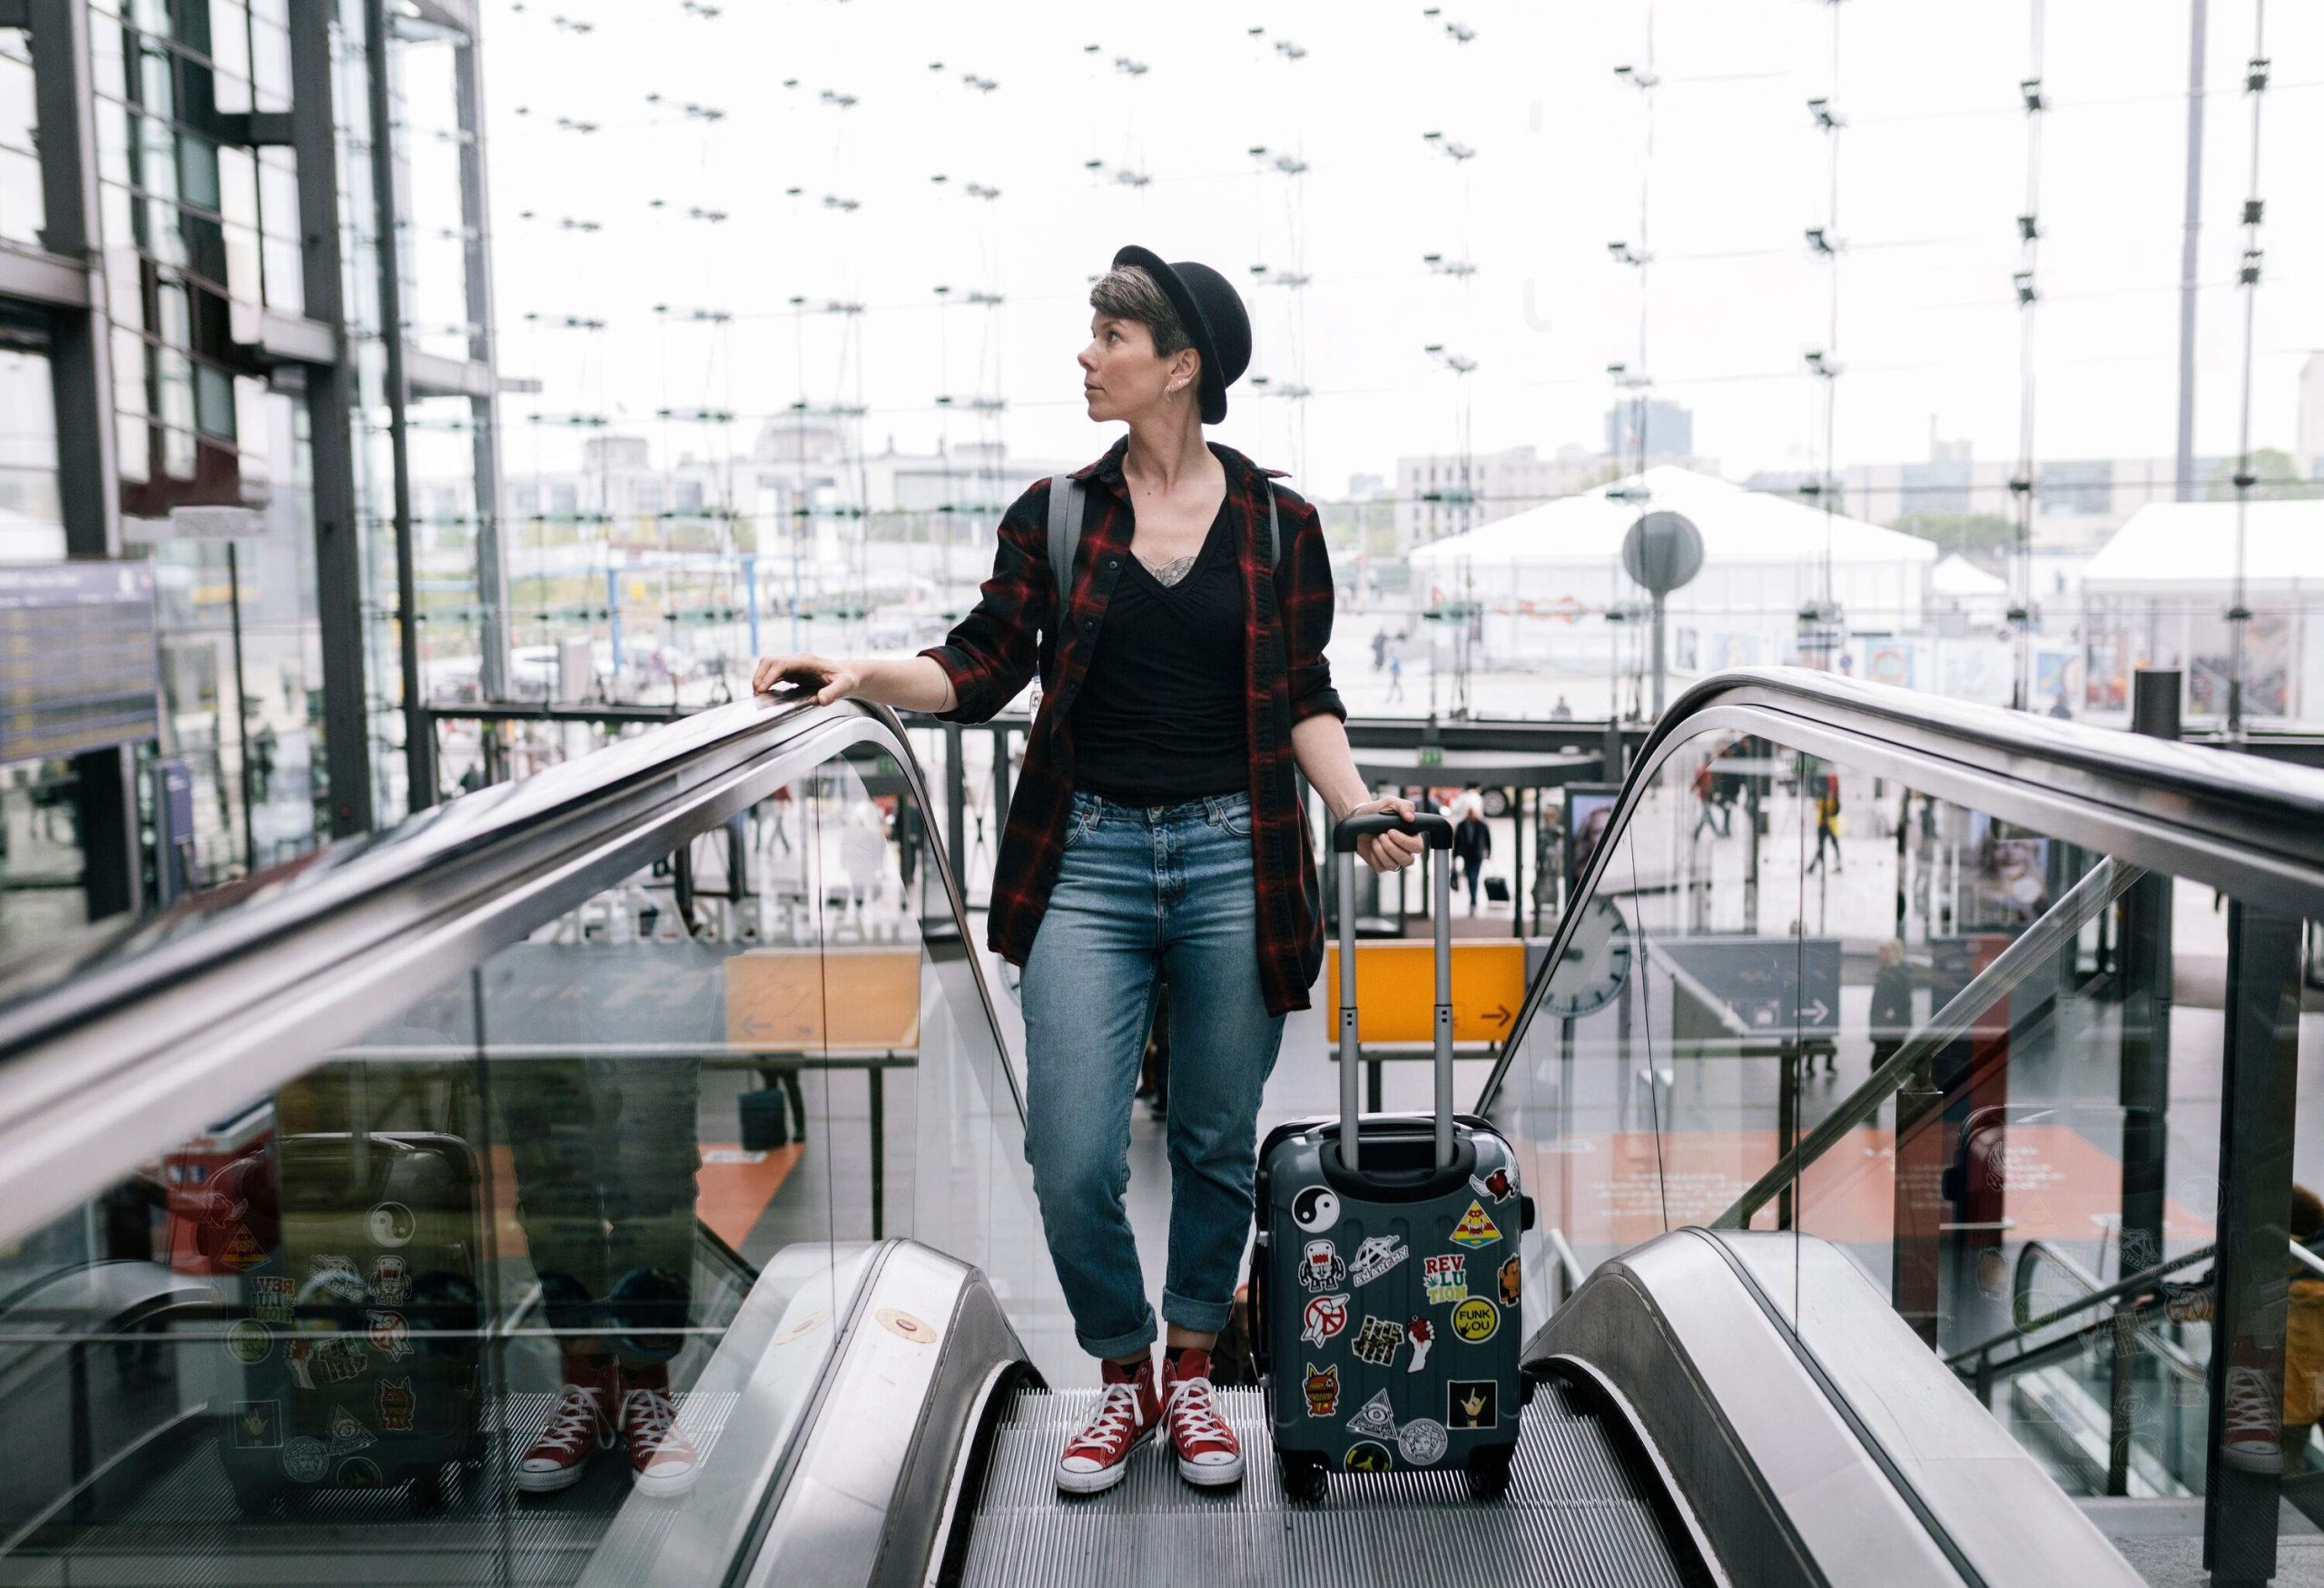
2012,1067
533,1277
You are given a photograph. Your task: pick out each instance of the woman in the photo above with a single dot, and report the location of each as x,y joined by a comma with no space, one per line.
1155,837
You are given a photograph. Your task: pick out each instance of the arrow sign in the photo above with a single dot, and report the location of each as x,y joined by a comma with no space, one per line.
1498,1015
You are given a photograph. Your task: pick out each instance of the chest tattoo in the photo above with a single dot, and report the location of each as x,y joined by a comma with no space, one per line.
1170,572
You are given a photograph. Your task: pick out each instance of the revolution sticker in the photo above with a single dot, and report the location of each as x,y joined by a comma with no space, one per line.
1323,1390
1476,1227
271,1298
1326,1316
1475,1319
1376,1256
1446,1277
1377,1340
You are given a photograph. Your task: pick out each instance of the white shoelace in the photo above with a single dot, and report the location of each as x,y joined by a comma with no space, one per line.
2250,1406
654,1422
575,1422
1114,1421
1191,1403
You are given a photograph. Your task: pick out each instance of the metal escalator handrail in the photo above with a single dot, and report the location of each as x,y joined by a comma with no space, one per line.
2144,1279
128,1037
2237,823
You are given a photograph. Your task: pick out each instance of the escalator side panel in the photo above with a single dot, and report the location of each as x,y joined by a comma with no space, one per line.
2015,1524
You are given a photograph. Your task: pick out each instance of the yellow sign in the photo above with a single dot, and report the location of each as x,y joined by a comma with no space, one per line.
1395,990
807,1000
1476,1320
1476,1227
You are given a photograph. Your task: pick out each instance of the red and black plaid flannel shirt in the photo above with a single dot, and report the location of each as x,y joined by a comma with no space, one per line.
992,652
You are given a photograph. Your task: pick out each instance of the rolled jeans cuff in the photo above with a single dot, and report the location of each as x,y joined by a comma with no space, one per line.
1140,1338
1201,1317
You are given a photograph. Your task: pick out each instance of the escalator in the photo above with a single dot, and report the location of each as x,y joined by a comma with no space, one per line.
719,1099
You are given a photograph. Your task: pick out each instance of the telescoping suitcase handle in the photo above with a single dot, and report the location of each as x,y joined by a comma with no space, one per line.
1438,831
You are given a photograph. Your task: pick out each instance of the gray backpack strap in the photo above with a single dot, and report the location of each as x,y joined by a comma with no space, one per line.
1274,537
1065,535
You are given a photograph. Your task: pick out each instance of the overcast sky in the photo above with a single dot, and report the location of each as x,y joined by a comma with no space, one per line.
1932,172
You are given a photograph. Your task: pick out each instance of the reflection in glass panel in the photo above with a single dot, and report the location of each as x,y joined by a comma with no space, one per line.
532,1278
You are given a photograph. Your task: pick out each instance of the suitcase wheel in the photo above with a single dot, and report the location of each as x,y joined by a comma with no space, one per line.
1304,1476
1488,1472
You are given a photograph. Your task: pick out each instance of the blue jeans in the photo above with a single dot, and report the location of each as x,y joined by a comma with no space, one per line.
1142,894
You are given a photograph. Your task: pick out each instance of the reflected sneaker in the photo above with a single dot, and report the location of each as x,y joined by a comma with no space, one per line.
1098,1456
1209,1453
662,1459
577,1429
2254,1442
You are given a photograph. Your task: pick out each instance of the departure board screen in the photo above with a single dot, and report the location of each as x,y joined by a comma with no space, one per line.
78,666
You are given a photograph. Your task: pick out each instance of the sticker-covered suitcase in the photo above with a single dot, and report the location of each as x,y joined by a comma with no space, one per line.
359,1337
1386,1287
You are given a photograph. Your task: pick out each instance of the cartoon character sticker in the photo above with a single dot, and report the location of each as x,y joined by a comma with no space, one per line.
242,1250
1377,1420
1496,1185
1377,1340
1512,1283
390,1279
1320,1267
1473,1403
1376,1256
1315,1209
1423,1335
1476,1320
1323,1390
1326,1316
396,1403
1476,1227
1446,1277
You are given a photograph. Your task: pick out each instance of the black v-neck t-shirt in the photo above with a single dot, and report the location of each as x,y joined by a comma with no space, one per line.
1160,718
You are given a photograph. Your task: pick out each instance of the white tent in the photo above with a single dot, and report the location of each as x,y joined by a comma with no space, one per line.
1764,557
2158,594
1957,579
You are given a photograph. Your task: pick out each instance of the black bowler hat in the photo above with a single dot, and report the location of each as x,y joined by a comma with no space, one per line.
1212,313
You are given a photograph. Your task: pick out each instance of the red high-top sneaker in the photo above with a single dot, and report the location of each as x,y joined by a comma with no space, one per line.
581,1425
1098,1456
1208,1452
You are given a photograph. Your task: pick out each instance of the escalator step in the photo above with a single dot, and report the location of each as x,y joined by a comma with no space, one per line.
1571,1517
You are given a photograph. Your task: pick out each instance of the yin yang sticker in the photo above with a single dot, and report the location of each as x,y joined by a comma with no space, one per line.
1315,1209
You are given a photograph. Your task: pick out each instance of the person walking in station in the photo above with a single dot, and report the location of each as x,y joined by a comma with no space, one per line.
1471,843
1155,837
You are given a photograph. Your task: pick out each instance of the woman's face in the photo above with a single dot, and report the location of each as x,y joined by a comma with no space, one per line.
1121,376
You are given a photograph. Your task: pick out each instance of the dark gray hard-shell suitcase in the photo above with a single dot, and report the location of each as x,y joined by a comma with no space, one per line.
1386,1287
